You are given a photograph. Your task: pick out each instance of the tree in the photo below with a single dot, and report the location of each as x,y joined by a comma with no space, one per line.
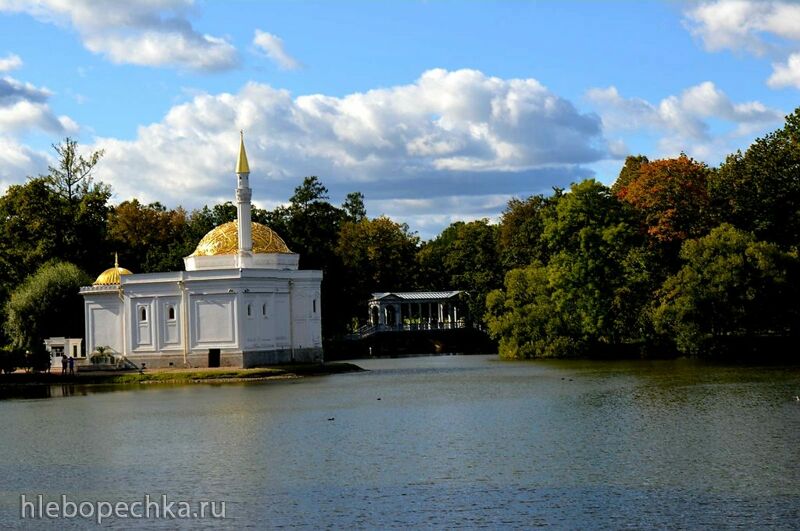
310,226
71,178
149,238
377,255
380,253
597,267
30,219
46,304
592,293
311,191
672,197
520,231
759,190
353,206
629,172
525,320
463,257
37,225
730,285
59,215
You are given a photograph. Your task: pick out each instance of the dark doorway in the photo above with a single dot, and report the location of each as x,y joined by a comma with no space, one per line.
213,357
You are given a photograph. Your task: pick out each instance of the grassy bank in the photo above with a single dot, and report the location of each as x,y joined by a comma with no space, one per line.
152,376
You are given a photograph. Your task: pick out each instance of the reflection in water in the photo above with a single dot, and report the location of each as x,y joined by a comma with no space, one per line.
440,441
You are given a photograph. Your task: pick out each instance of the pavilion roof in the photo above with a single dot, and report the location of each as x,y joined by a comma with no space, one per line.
416,295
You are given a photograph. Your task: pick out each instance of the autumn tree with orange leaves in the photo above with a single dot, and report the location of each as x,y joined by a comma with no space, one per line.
671,196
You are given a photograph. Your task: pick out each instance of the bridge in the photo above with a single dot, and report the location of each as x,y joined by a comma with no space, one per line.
420,322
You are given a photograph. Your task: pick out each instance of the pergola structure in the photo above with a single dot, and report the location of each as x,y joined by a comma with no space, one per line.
415,310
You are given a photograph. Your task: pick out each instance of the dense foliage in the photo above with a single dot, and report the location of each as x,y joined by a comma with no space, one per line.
46,304
675,256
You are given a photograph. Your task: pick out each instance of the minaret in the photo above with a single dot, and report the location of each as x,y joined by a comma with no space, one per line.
243,195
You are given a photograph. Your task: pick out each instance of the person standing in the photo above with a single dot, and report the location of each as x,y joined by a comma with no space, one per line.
71,365
63,364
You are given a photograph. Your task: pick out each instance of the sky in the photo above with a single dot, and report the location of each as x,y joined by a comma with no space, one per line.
438,111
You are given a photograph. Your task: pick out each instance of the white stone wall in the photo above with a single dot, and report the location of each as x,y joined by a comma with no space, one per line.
236,311
212,321
306,314
103,322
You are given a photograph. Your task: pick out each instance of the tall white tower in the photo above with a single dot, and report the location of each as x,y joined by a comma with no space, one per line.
243,196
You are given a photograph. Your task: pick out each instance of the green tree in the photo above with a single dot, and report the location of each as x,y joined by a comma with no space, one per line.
378,255
463,257
597,267
71,178
520,231
759,190
730,285
148,238
310,226
592,293
46,304
37,224
526,321
30,218
353,206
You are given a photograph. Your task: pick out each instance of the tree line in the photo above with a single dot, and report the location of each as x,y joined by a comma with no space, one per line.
674,256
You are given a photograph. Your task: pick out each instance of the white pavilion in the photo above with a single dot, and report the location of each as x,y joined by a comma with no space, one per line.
241,302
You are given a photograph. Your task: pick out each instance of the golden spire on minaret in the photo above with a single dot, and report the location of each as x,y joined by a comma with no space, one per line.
241,163
116,260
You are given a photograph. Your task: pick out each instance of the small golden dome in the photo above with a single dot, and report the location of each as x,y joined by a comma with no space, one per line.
112,274
225,240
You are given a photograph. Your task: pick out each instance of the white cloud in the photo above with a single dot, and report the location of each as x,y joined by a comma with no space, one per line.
683,122
758,27
786,74
25,114
10,62
24,106
743,24
458,133
12,90
142,32
272,45
18,162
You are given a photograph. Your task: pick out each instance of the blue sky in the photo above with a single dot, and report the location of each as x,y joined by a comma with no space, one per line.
437,111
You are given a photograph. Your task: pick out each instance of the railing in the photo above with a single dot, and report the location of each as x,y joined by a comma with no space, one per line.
124,363
368,330
109,360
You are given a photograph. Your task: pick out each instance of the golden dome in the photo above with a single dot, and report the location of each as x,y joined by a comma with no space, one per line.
225,240
112,274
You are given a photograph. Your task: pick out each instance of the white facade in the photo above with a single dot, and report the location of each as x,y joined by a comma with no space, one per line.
252,316
242,308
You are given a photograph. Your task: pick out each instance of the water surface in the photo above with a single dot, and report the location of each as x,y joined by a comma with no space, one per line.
451,441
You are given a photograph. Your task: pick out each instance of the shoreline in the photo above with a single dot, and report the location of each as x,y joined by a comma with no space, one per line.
178,376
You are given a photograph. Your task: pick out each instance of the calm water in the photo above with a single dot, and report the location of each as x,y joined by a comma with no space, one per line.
453,442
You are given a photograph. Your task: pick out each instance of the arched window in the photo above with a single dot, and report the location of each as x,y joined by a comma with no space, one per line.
171,313
143,314
314,305
249,311
264,309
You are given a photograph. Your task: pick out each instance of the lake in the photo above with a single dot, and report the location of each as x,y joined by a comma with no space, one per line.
444,442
